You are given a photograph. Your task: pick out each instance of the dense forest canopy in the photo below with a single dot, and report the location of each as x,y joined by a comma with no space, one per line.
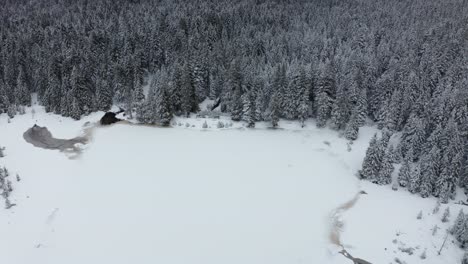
402,64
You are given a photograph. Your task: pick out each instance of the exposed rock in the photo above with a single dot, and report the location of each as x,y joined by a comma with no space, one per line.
110,117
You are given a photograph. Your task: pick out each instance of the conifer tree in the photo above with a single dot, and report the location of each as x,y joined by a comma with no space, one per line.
325,93
22,95
274,110
446,215
414,180
458,228
249,108
385,174
372,162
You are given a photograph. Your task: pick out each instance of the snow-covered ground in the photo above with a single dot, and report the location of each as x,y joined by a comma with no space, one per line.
188,194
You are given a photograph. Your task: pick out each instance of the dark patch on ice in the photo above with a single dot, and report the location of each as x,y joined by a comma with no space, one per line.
42,138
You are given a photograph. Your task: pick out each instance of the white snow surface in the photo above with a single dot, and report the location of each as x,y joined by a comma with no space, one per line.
140,194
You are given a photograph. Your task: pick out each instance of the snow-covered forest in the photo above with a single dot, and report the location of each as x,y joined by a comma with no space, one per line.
399,65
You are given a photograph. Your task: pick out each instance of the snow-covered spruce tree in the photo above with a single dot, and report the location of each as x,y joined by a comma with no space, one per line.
75,110
392,117
163,106
385,174
446,215
274,110
249,111
22,94
236,105
374,156
325,92
188,100
156,109
361,108
414,137
414,179
279,87
104,95
4,101
458,228
372,162
261,100
303,97
352,128
5,187
340,112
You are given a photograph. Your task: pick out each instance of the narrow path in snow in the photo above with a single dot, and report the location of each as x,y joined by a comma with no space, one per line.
337,225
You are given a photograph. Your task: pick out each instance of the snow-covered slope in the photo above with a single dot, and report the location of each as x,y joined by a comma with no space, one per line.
189,194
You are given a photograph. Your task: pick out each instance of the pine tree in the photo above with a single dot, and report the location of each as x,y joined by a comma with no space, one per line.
325,94
22,95
361,108
392,118
104,95
414,180
386,170
4,101
303,108
372,161
236,105
163,106
188,99
446,215
274,110
352,128
425,188
340,112
458,228
156,109
249,108
75,111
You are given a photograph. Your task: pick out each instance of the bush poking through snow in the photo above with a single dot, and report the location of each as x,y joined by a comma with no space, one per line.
436,208
419,217
2,154
5,187
220,124
398,261
205,125
446,215
408,250
423,255
465,259
434,230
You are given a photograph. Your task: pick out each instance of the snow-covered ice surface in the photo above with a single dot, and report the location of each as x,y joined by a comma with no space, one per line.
140,194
